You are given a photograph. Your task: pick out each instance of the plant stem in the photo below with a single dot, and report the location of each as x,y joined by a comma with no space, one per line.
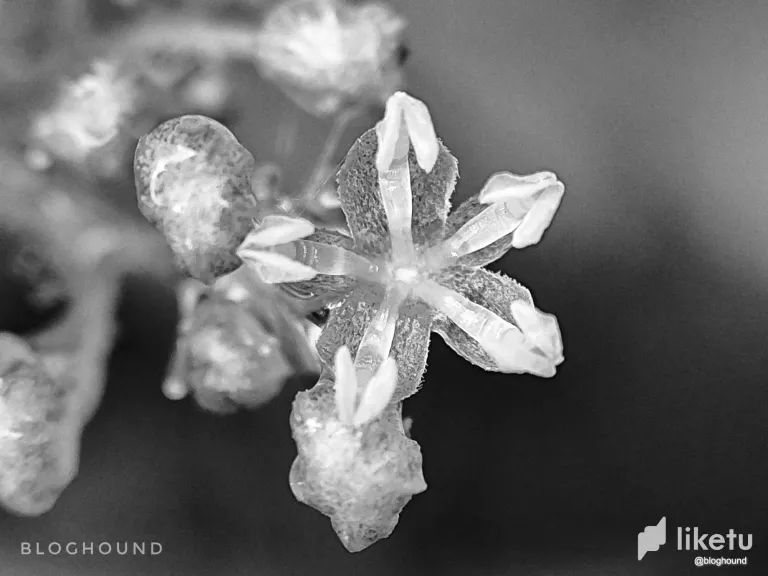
317,176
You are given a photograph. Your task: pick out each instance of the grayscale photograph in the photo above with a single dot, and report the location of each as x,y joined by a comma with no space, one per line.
383,287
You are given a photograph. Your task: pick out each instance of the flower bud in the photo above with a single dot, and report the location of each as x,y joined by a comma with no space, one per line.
193,184
360,477
39,436
325,53
229,359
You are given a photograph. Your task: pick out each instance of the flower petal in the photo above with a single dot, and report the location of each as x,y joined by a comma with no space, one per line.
530,347
410,346
510,211
361,199
431,194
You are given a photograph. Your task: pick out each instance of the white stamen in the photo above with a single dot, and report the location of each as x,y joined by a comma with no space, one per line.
376,342
539,328
406,119
512,199
395,188
377,394
274,268
277,229
481,231
501,340
533,198
329,259
346,385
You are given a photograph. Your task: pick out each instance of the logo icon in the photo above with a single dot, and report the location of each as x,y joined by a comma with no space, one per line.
650,539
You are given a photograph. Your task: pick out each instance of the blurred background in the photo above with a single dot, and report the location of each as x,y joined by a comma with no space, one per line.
655,116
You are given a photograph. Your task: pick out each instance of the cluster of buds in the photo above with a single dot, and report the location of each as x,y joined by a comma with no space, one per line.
410,267
239,338
404,265
326,55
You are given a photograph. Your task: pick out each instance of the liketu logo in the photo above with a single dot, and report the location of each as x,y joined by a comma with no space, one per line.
653,537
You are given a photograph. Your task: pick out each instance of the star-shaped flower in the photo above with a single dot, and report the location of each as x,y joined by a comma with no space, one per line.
411,268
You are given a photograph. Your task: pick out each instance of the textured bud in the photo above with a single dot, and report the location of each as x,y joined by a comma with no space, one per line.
230,359
360,477
39,436
193,184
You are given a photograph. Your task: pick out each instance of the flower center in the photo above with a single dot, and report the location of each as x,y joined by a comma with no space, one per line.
406,275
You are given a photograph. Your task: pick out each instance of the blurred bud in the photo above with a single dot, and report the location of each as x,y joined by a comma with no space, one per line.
359,477
39,436
238,344
328,53
231,360
87,114
193,183
208,91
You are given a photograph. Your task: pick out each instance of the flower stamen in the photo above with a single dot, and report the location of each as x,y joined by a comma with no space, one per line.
504,342
513,200
376,343
329,259
259,249
395,187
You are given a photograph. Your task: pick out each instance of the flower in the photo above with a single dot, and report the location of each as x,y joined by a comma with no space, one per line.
412,267
325,53
193,183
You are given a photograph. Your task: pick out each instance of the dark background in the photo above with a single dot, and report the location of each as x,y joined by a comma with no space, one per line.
655,115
